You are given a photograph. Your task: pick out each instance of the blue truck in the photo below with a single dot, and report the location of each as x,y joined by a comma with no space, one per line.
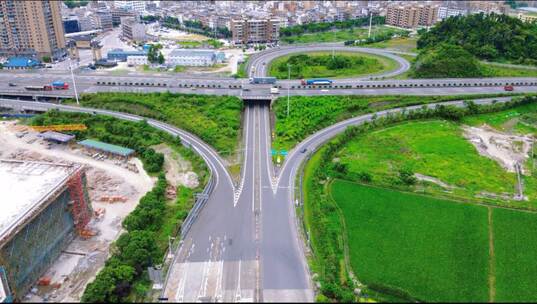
263,80
316,81
60,85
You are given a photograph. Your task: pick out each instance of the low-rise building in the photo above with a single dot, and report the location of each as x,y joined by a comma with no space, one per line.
137,60
446,12
21,63
193,57
121,55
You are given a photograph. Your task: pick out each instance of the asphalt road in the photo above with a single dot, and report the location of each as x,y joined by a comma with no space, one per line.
244,245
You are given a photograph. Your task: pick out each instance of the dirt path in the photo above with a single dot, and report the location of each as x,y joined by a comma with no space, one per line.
492,259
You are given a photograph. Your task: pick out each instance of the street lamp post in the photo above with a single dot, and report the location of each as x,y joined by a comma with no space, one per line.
74,83
288,85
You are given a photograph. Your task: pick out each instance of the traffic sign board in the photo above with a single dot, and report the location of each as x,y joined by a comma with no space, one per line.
283,152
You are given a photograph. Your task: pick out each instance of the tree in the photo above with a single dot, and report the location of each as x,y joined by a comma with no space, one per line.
487,36
137,249
45,59
446,61
109,285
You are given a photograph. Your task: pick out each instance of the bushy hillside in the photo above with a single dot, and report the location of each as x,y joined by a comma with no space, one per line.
490,37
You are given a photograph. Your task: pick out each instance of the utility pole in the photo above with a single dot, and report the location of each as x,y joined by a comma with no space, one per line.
370,20
334,48
74,83
288,85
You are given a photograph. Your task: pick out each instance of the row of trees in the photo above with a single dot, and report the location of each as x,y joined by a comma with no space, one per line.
133,252
326,231
487,36
327,26
195,26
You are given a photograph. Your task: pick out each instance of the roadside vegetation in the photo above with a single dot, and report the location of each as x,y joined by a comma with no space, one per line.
155,218
452,61
215,119
433,249
323,64
309,114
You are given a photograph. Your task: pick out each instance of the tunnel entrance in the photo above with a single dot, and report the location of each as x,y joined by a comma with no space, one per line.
259,100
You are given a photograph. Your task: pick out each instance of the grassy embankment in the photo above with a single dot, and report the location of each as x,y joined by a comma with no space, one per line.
309,114
215,119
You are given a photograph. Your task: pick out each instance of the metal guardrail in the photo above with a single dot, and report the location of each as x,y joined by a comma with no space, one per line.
201,200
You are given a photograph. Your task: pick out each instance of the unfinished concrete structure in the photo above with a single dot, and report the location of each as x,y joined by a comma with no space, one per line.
44,205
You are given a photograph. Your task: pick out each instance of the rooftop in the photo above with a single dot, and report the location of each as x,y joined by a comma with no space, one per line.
118,150
24,186
193,52
23,62
56,136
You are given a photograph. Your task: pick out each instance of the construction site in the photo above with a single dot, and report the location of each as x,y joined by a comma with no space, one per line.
62,207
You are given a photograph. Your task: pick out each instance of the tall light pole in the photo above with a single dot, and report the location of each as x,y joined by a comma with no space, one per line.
74,83
288,85
370,20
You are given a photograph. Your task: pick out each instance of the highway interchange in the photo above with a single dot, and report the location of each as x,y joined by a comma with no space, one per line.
245,245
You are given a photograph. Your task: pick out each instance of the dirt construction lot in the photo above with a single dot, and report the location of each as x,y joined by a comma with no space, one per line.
107,180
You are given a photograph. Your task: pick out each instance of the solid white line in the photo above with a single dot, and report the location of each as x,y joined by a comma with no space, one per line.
238,292
254,148
245,163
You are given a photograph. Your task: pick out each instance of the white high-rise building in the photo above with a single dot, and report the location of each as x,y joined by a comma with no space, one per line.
131,5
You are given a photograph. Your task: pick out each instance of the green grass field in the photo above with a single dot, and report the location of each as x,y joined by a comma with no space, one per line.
515,247
372,64
404,44
433,148
433,249
338,35
438,250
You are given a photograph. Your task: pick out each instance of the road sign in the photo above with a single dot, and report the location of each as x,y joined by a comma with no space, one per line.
283,152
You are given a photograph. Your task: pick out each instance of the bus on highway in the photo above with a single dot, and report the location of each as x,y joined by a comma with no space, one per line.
316,81
263,80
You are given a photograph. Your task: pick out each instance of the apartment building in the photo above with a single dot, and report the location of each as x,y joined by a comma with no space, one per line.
133,30
102,20
411,16
31,28
245,31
